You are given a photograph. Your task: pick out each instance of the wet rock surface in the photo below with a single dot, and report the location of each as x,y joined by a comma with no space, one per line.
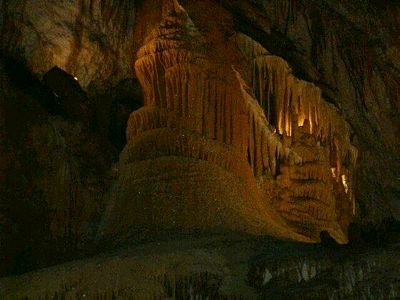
219,267
70,102
341,46
348,49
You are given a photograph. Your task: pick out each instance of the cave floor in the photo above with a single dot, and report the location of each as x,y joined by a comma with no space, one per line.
222,266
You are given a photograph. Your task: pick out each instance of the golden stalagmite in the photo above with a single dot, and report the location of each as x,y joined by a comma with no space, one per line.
207,152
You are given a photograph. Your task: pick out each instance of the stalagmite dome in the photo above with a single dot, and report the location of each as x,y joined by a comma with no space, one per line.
205,149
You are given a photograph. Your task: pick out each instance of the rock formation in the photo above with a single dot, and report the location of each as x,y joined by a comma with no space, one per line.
54,170
124,121
198,109
193,128
218,267
74,36
348,49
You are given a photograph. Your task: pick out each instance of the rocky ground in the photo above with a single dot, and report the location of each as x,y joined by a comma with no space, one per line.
219,267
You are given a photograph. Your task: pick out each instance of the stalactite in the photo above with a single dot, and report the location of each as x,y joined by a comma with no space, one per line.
273,81
296,108
248,47
294,97
178,79
262,139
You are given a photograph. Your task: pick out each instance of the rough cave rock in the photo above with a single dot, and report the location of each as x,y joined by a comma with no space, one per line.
123,121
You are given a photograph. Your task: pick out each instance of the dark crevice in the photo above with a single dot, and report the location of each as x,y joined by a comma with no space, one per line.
112,110
127,97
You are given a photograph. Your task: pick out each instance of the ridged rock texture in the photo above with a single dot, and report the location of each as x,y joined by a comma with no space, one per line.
350,50
219,267
129,120
198,108
73,35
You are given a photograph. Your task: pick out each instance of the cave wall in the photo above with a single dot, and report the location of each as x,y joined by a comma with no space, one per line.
347,51
73,35
350,54
54,171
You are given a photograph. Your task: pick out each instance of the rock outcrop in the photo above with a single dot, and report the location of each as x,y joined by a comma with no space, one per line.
184,165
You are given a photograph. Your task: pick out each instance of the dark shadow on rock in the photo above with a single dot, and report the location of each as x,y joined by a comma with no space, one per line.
374,235
113,108
42,138
127,96
327,241
70,100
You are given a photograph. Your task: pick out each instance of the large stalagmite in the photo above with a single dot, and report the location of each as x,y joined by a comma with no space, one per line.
165,150
208,152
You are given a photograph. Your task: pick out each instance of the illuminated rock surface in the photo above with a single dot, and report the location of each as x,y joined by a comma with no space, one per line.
131,120
198,106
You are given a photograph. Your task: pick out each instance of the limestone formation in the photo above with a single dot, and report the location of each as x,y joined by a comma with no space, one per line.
272,118
202,126
185,162
320,187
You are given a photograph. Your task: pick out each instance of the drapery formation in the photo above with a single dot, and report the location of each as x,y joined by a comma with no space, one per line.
226,144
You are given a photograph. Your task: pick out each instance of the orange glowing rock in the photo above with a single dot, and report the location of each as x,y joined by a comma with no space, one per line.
202,153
